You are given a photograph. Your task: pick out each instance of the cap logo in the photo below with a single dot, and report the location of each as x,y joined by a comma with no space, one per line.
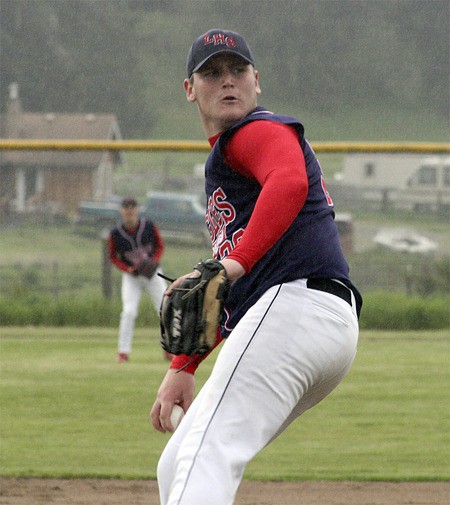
213,42
220,39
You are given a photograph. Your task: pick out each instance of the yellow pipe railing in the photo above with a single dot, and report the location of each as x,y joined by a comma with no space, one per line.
194,145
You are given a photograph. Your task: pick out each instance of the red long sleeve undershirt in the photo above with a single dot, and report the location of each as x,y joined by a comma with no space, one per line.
270,153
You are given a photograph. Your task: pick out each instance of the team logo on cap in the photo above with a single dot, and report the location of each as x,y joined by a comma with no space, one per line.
219,39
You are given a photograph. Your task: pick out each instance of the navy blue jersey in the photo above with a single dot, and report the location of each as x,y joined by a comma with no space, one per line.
310,247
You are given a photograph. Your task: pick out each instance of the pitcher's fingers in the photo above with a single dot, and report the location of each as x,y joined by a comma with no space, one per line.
178,281
164,416
154,416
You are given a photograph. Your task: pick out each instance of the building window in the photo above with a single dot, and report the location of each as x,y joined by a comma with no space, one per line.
446,177
427,176
369,169
31,180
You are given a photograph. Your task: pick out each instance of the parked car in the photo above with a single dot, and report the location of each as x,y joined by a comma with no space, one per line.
97,215
178,215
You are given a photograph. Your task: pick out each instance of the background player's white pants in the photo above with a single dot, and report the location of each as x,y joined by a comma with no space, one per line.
132,289
289,351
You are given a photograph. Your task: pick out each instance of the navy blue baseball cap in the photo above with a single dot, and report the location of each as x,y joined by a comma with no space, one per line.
214,42
129,201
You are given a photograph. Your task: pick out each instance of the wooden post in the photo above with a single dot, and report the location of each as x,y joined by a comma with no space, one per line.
106,265
55,271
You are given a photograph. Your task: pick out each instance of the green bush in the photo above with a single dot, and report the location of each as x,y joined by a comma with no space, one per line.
69,311
395,311
382,310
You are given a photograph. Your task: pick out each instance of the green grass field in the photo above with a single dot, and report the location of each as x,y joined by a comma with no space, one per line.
68,410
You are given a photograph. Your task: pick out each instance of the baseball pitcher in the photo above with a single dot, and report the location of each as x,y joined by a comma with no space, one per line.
289,312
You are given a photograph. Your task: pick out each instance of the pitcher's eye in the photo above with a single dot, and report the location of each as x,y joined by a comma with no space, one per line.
211,74
238,69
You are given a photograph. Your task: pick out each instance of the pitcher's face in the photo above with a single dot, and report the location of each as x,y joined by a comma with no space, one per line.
225,89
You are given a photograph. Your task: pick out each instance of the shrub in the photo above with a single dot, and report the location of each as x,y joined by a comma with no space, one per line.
382,310
396,311
69,311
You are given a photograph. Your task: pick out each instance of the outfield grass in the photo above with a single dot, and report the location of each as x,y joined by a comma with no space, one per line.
68,410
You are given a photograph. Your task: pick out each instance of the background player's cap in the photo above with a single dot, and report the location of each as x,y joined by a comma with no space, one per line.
129,201
213,42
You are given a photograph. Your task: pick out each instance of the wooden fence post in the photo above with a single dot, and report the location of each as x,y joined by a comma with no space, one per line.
106,265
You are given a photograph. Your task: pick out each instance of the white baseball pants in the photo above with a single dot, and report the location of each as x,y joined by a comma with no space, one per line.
290,350
132,289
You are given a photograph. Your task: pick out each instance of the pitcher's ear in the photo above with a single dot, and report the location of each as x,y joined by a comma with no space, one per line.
258,88
188,85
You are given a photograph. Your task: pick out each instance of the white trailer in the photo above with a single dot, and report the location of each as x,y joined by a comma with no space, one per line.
400,180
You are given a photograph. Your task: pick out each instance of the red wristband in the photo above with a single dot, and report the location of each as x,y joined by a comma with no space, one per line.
189,364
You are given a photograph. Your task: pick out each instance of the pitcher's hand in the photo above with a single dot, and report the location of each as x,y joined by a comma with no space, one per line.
176,388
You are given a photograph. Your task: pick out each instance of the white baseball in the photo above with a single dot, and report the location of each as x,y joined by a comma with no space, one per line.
176,416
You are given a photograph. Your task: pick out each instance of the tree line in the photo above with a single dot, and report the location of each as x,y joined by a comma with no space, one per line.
128,56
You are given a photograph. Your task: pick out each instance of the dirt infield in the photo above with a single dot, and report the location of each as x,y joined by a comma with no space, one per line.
143,492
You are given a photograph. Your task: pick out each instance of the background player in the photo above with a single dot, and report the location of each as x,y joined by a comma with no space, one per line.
291,319
135,247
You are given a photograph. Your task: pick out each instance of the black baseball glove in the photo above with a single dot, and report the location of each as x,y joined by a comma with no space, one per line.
191,314
147,268
142,261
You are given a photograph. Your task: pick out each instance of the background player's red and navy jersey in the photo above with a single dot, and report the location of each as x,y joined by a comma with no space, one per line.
310,248
123,240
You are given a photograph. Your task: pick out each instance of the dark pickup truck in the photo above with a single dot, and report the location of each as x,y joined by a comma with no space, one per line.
178,215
